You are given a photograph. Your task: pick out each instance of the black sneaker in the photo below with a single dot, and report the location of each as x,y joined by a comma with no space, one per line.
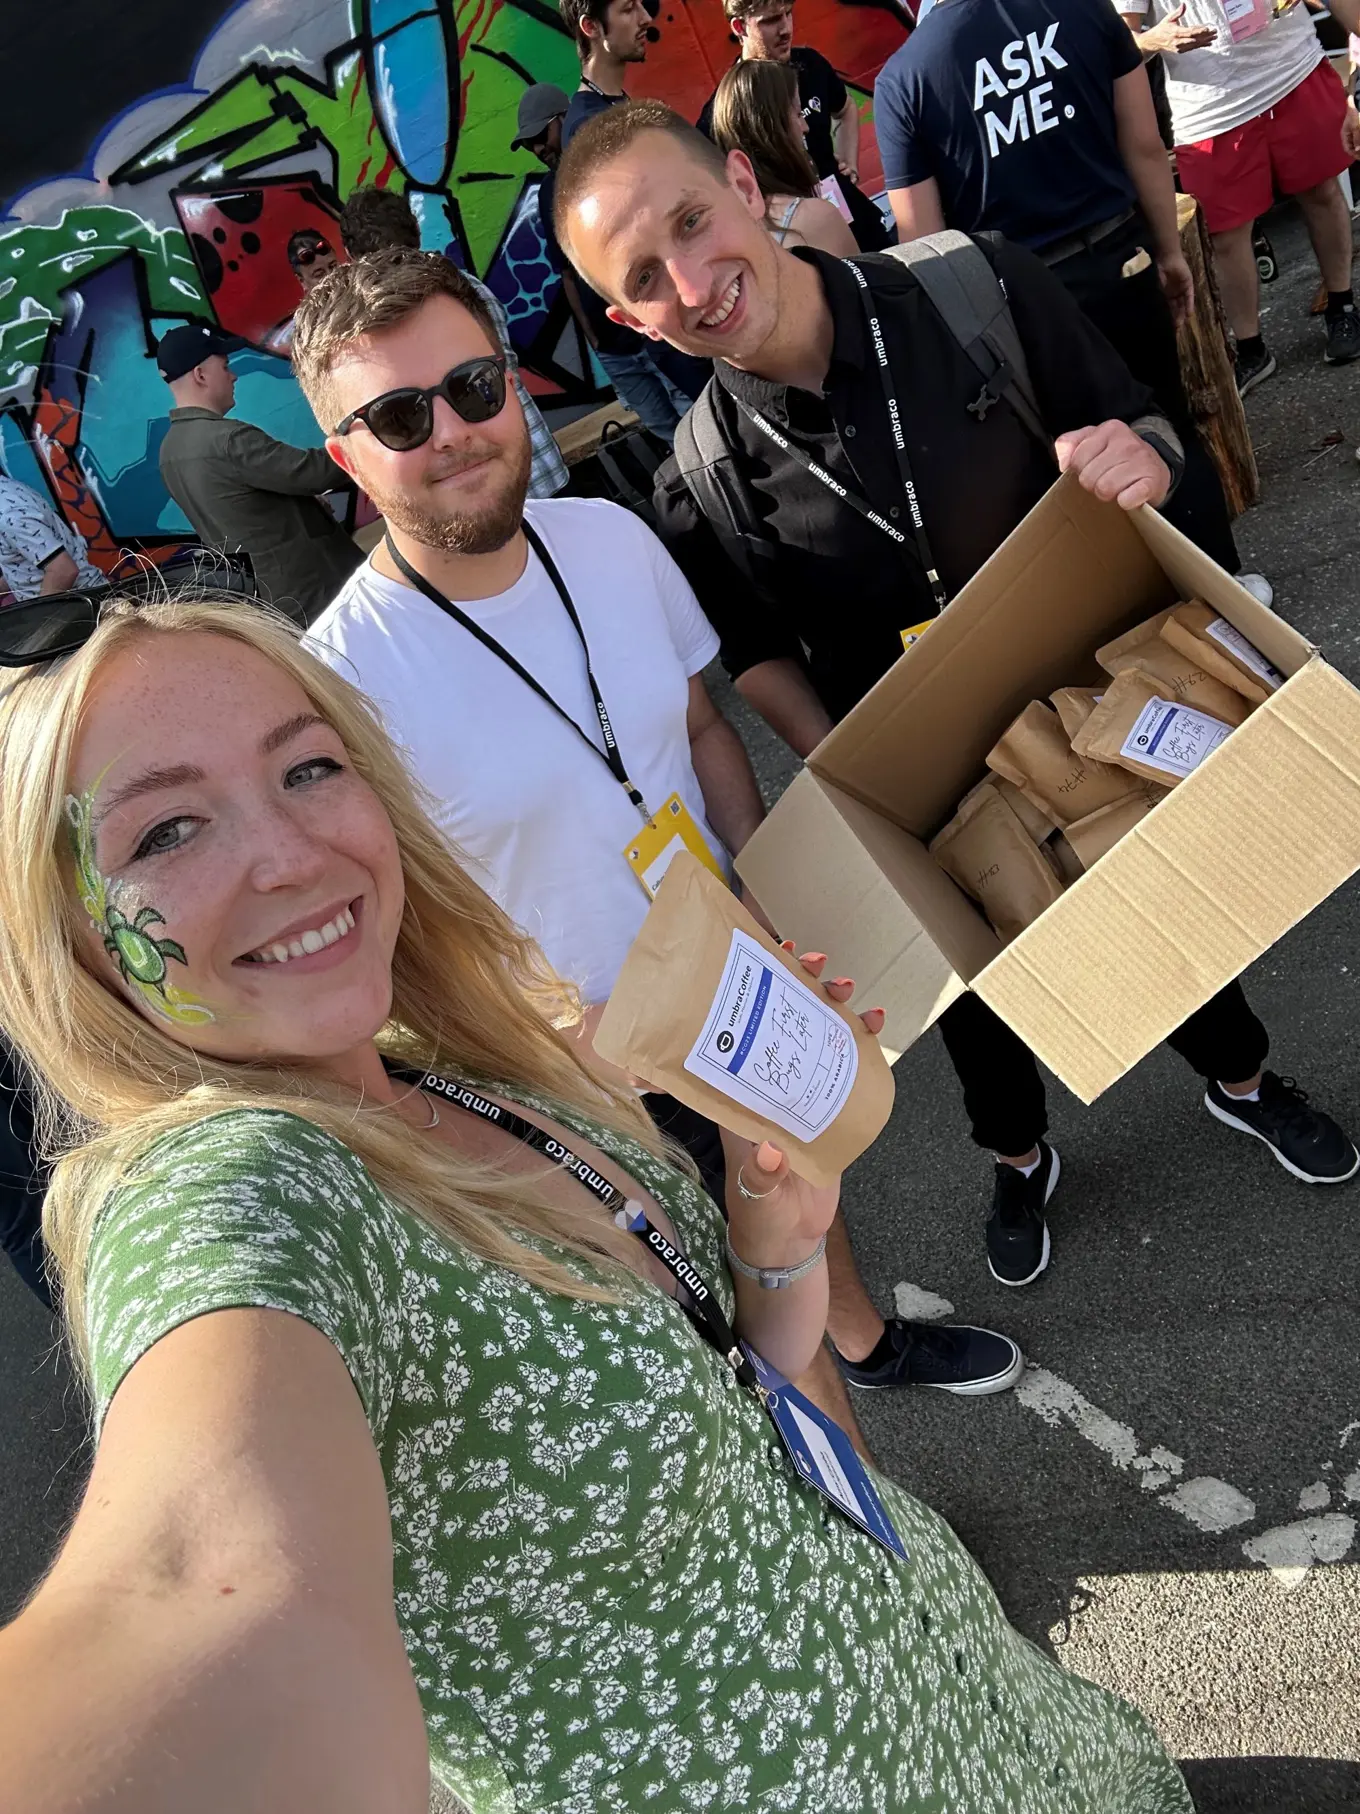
954,1357
1017,1235
1343,337
1251,372
1304,1140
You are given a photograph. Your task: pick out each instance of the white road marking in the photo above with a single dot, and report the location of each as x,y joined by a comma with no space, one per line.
1290,1550
1210,1504
917,1305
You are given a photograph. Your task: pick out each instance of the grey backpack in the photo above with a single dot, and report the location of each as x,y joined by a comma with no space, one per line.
959,281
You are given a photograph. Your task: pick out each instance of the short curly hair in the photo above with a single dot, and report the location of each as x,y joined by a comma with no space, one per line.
363,297
372,220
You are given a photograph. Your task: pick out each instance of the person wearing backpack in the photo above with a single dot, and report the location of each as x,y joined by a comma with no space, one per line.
856,457
1034,118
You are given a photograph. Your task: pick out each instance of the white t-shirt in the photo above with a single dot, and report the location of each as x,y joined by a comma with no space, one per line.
542,823
31,533
1223,86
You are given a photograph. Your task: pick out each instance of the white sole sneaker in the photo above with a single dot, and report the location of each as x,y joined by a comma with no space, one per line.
1245,1127
1042,1267
983,1388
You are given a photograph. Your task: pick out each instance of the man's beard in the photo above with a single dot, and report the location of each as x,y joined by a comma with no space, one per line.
463,532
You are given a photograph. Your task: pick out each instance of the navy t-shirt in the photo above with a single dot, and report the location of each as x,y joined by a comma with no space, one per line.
1011,109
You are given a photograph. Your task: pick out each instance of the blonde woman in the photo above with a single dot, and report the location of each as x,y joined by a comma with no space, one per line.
756,111
408,1452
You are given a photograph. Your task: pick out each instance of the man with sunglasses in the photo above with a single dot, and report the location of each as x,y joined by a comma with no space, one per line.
499,640
243,491
372,220
311,257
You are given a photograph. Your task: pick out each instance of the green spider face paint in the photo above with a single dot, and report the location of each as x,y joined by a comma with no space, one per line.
142,961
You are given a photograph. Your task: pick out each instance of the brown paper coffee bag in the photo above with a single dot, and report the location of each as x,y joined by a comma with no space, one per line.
1138,728
1074,706
709,1008
1036,756
993,859
1036,823
1185,678
1222,649
1100,831
1114,654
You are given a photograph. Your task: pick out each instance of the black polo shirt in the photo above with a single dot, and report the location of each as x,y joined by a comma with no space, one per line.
839,593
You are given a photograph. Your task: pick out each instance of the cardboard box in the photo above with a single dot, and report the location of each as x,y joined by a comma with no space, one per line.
1235,856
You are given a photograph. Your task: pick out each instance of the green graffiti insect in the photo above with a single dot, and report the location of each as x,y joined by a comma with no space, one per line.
140,958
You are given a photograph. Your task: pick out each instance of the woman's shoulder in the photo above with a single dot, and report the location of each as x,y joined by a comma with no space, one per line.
268,1142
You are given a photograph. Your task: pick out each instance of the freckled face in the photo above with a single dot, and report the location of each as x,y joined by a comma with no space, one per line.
227,823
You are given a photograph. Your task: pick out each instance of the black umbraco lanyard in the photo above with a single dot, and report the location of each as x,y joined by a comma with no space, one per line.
610,754
696,1296
865,509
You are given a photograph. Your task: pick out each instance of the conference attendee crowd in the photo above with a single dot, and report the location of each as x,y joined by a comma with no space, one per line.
430,1353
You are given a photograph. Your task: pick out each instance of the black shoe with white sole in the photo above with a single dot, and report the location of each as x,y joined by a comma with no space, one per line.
952,1356
1343,337
1304,1140
1017,1234
1251,371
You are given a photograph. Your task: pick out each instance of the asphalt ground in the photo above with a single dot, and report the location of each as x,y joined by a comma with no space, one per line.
1169,1504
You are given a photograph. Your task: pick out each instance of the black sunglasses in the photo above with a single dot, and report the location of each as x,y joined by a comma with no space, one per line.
308,255
41,629
404,419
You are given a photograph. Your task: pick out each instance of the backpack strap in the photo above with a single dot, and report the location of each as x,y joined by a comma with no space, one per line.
958,278
704,462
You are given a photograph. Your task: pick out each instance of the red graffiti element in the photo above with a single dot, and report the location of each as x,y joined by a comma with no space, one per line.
56,439
239,238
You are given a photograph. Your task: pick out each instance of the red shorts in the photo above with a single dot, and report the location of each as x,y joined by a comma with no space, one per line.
1292,146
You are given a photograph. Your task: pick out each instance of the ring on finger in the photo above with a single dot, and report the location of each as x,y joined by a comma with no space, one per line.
752,1196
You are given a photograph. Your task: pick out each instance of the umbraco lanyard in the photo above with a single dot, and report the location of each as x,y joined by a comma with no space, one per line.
696,1297
865,509
610,754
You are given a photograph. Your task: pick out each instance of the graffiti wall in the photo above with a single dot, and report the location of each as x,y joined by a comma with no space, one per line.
179,202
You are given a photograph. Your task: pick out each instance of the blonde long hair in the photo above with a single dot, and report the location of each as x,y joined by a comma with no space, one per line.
470,994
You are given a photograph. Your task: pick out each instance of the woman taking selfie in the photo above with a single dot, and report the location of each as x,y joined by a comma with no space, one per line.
756,111
409,1453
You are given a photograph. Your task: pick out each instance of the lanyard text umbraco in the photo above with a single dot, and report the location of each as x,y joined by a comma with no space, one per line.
610,754
696,1297
886,379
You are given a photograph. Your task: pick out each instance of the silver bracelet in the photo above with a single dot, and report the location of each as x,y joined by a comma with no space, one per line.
776,1278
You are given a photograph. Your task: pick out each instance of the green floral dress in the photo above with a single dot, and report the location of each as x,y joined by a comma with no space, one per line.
614,1591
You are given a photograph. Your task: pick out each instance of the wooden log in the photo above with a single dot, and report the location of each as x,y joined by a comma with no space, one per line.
1207,370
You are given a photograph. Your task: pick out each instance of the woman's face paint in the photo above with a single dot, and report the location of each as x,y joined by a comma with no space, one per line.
238,874
142,960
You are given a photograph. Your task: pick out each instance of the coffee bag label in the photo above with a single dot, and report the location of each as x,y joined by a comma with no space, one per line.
1246,652
771,1044
1173,738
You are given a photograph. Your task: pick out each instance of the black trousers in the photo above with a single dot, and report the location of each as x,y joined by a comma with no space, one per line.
698,1135
1134,317
1003,1092
22,1181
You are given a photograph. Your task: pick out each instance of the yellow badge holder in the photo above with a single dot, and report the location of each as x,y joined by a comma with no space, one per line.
661,839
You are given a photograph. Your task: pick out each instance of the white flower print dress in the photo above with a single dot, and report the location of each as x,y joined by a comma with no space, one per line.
615,1593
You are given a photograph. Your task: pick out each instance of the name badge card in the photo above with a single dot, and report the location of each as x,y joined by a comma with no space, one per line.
660,841
824,1455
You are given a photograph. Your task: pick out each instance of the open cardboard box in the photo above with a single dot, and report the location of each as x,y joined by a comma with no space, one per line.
1235,855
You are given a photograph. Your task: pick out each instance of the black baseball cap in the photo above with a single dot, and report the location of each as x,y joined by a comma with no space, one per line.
183,348
539,106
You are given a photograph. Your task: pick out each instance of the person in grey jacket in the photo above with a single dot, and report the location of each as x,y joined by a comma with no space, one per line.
243,491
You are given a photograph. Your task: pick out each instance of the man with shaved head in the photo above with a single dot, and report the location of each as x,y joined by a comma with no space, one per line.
844,478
